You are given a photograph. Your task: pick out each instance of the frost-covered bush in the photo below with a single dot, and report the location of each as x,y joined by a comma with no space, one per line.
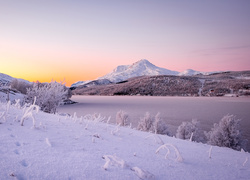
160,127
188,130
20,85
48,95
28,113
146,123
154,124
122,118
226,133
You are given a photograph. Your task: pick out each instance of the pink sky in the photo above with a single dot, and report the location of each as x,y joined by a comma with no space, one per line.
82,40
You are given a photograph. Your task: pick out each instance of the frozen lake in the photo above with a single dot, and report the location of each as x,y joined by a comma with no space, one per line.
174,110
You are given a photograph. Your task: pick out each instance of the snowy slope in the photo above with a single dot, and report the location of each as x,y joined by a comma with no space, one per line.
140,68
91,83
62,147
5,79
191,72
80,83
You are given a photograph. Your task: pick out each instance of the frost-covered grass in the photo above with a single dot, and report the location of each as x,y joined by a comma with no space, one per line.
87,147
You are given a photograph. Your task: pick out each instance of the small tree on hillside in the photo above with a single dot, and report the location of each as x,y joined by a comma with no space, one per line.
122,118
160,127
187,130
20,85
154,124
48,95
226,133
146,123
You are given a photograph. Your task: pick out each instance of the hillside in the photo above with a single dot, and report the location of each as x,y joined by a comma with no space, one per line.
5,79
65,147
218,84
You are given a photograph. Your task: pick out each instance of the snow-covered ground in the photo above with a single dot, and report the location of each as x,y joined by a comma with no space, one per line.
64,147
12,96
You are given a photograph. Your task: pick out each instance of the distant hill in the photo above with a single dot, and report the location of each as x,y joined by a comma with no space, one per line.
6,79
218,84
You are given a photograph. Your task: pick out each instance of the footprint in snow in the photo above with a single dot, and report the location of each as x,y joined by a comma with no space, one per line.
24,163
12,135
17,144
16,152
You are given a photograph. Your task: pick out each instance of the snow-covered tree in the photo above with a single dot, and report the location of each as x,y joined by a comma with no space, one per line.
48,95
154,124
20,85
146,123
226,133
188,130
122,118
160,127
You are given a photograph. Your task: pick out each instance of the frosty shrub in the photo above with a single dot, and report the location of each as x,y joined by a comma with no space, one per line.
146,123
226,133
29,113
156,125
48,95
20,85
122,118
159,126
188,130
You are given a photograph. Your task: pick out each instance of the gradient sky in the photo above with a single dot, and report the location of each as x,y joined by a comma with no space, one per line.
85,39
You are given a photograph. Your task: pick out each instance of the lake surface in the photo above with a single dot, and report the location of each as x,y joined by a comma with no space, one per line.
174,110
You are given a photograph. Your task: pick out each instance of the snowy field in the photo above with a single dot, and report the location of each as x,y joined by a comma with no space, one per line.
70,147
174,110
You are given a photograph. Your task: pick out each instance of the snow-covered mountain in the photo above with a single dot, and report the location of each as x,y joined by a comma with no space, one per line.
80,83
91,83
5,79
140,68
190,72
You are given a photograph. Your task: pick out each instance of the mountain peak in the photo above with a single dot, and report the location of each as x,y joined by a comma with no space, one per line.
139,68
143,61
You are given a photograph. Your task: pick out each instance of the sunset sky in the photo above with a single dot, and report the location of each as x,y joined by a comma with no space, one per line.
85,39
